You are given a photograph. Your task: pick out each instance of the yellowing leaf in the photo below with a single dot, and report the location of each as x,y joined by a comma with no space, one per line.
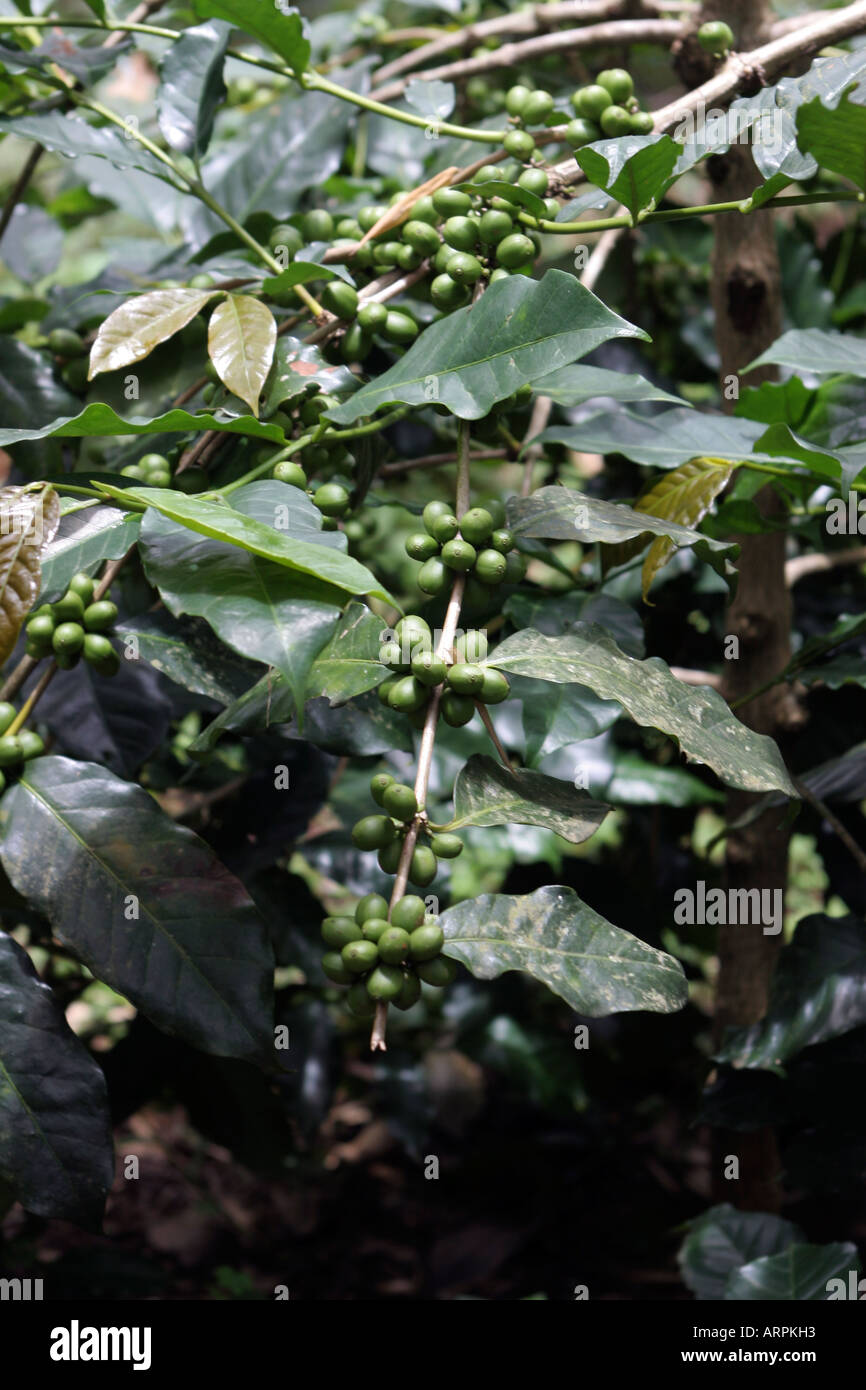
684,496
242,335
140,324
29,518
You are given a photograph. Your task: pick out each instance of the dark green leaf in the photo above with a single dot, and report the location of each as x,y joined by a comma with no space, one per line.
817,352
663,441
191,88
722,1240
696,717
488,794
186,651
89,851
327,571
518,331
84,538
100,421
836,136
572,386
799,1274
261,609
818,991
556,717
349,664
29,392
278,27
597,968
634,169
56,1149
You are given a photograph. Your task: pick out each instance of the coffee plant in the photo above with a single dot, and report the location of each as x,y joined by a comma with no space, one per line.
342,502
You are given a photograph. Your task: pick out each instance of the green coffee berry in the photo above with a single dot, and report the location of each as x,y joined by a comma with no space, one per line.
374,927
371,905
451,202
410,993
69,608
40,630
379,783
440,971
422,868
425,942
97,648
520,144
393,945
284,234
408,694
288,472
372,316
337,932
385,982
68,638
446,846
516,98
428,668
31,744
515,250
502,539
461,233
334,968
421,237
372,832
331,498
10,750
493,226
490,566
458,555
100,616
537,108
457,710
495,687
591,101
534,181
642,123
317,225
340,299
400,802
446,293
420,546
476,525
64,342
618,83
389,857
616,121
360,1002
432,576
465,678
7,713
716,37
408,913
400,327
464,268
359,956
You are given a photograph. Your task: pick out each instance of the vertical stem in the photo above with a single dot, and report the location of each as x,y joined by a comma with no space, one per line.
428,736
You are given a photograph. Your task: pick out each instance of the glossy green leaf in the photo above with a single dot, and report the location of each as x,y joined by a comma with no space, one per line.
697,717
328,572
597,968
720,1241
349,664
29,517
187,652
279,27
559,715
298,365
486,793
518,331
266,704
816,351
799,1274
56,1150
298,273
101,421
83,539
662,441
259,608
572,386
72,136
143,902
818,991
29,391
835,136
633,169
191,87
558,513
240,339
137,326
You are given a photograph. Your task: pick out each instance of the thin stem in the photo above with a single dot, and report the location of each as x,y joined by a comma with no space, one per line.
314,82
32,699
494,737
604,224
283,453
857,854
17,678
20,185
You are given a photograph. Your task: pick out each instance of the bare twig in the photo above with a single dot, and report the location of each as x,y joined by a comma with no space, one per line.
858,854
19,186
494,737
802,565
435,461
509,55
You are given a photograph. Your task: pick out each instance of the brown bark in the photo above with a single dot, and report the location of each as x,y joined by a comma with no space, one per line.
746,296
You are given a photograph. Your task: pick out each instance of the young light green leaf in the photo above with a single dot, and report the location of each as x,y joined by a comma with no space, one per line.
241,337
29,517
191,86
55,1169
697,717
279,27
597,968
143,902
135,328
518,331
488,794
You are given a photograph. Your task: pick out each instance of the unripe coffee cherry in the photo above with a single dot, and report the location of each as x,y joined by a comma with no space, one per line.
426,942
408,695
432,576
444,528
337,932
372,832
359,956
288,472
476,525
410,993
428,669
457,710
422,868
360,1002
400,802
420,546
100,616
335,969
440,971
618,82
519,144
458,555
378,785
490,566
408,913
495,687
371,905
446,846
466,678
393,945
716,37
385,982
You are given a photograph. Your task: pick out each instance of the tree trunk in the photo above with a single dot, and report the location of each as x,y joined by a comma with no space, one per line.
746,296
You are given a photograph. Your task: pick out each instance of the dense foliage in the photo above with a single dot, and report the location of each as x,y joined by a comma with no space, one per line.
367,550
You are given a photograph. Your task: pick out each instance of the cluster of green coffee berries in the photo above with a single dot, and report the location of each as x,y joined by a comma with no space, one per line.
154,470
607,108
386,833
384,956
716,38
71,350
73,627
16,748
471,544
332,496
417,670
